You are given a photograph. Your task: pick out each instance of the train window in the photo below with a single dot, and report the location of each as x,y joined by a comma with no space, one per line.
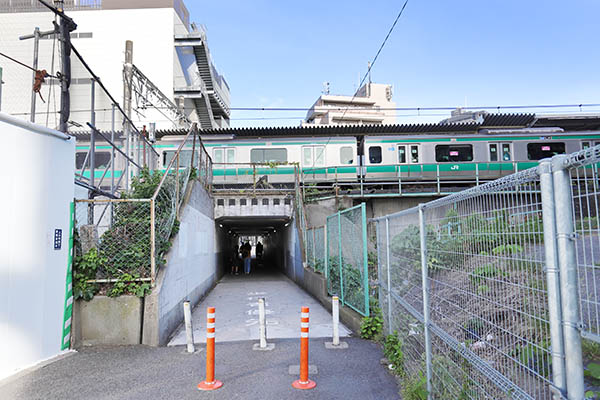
185,158
346,155
230,156
319,156
453,153
538,151
375,154
414,154
506,152
307,157
218,156
268,155
585,145
102,160
402,154
493,152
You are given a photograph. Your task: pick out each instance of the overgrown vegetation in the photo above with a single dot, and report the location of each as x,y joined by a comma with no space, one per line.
371,327
124,250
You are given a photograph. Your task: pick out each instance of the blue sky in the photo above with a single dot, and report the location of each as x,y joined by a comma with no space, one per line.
441,53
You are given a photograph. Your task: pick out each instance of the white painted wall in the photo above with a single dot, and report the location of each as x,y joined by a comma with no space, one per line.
37,190
151,30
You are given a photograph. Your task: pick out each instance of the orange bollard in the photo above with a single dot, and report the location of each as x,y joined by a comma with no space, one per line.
210,383
304,382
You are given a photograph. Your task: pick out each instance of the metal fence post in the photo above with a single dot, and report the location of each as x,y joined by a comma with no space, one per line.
363,213
425,286
153,241
569,286
339,215
389,284
326,244
552,275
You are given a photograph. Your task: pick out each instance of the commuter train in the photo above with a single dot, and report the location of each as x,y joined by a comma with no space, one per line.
463,158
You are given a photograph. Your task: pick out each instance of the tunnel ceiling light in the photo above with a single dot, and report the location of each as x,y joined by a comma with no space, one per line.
287,224
221,225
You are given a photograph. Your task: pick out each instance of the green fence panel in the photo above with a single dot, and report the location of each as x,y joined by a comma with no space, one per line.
347,268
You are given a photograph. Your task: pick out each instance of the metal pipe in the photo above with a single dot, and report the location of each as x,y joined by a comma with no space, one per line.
425,286
567,262
262,323
189,331
127,77
389,283
112,158
153,240
552,275
335,312
36,49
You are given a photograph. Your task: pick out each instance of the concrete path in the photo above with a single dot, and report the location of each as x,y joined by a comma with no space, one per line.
145,373
236,300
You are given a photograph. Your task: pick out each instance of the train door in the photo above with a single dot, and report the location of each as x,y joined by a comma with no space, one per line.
409,157
313,163
500,157
223,159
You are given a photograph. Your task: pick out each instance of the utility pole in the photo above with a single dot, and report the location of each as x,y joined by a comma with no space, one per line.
127,79
36,36
66,26
36,49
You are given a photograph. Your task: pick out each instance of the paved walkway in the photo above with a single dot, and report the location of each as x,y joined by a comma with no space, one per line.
141,372
236,300
145,373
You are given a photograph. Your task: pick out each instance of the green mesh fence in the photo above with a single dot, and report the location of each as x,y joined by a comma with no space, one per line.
315,248
347,267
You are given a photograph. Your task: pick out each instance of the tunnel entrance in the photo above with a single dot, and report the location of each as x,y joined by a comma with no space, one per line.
276,234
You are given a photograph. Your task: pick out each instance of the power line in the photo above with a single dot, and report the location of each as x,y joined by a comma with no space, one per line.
442,108
23,64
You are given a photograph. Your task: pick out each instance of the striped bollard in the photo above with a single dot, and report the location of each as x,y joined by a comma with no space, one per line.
210,383
304,382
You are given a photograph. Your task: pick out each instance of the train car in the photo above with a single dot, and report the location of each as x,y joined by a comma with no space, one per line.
316,159
467,157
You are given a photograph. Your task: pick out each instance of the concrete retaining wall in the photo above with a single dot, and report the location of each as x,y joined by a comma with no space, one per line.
106,320
192,269
315,284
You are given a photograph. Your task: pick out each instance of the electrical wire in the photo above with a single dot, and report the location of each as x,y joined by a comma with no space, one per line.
23,64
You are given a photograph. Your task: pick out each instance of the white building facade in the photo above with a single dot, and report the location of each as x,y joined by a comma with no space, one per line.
372,104
172,53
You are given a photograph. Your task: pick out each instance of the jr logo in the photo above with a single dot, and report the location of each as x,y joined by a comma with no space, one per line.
455,168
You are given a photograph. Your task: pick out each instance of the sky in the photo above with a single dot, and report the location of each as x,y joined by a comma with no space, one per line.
441,53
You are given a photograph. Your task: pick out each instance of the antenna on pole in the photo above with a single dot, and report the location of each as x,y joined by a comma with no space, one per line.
325,88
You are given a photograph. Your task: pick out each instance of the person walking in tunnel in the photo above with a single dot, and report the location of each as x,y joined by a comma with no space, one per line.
247,256
259,250
235,260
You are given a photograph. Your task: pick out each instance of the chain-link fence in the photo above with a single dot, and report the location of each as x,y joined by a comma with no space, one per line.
346,258
130,236
315,248
487,289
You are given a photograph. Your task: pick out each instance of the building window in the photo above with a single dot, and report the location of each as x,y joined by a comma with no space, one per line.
346,155
453,153
375,154
268,155
539,151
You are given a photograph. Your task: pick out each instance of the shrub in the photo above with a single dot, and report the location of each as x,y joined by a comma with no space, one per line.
85,268
371,327
415,388
392,349
479,274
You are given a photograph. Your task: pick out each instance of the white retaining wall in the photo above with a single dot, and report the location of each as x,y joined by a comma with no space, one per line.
37,190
